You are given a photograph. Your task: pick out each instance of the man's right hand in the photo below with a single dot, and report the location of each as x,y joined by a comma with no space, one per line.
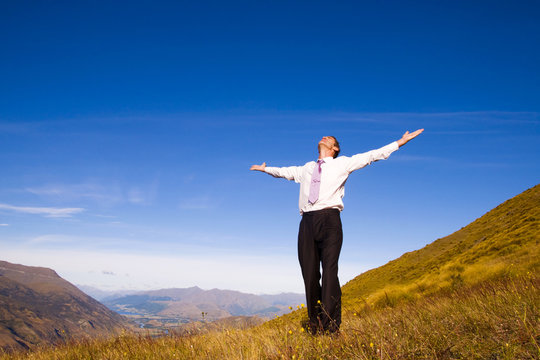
259,167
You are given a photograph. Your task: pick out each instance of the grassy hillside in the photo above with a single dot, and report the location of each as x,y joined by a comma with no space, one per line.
503,242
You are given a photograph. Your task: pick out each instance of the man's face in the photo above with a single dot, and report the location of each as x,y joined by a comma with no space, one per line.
328,142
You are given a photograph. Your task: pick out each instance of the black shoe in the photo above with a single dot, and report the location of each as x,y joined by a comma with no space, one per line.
332,331
312,328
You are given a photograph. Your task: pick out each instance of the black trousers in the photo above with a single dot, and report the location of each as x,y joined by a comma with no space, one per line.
319,242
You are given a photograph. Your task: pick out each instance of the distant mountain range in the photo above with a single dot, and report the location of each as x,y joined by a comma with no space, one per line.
37,306
158,308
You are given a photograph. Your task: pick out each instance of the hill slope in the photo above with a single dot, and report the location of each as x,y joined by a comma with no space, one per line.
38,306
505,241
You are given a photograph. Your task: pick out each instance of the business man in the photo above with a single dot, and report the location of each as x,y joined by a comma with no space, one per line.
322,187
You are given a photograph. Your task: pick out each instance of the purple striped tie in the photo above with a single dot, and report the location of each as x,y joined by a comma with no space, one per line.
315,183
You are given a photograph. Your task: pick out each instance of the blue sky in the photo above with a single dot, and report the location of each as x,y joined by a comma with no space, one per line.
127,130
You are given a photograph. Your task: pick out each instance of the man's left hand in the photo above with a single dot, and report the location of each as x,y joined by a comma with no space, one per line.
408,137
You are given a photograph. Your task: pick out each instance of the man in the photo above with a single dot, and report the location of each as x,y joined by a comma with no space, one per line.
322,187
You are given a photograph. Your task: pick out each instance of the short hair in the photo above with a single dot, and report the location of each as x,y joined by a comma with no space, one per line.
336,153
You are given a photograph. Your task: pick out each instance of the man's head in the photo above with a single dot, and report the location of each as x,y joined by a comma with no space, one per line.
330,144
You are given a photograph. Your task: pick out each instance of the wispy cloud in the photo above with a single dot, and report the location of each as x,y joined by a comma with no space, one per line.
406,157
263,117
502,116
451,162
72,192
44,211
15,128
136,196
198,203
4,224
97,192
52,239
83,242
466,118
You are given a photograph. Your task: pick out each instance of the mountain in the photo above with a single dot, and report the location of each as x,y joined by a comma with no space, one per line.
173,306
504,242
101,295
37,306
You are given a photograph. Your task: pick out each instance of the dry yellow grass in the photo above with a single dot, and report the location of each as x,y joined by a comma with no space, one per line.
494,320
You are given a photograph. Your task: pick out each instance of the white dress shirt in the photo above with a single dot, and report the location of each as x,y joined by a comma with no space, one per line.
334,174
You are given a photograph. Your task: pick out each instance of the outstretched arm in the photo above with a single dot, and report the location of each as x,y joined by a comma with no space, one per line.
289,173
408,137
259,167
